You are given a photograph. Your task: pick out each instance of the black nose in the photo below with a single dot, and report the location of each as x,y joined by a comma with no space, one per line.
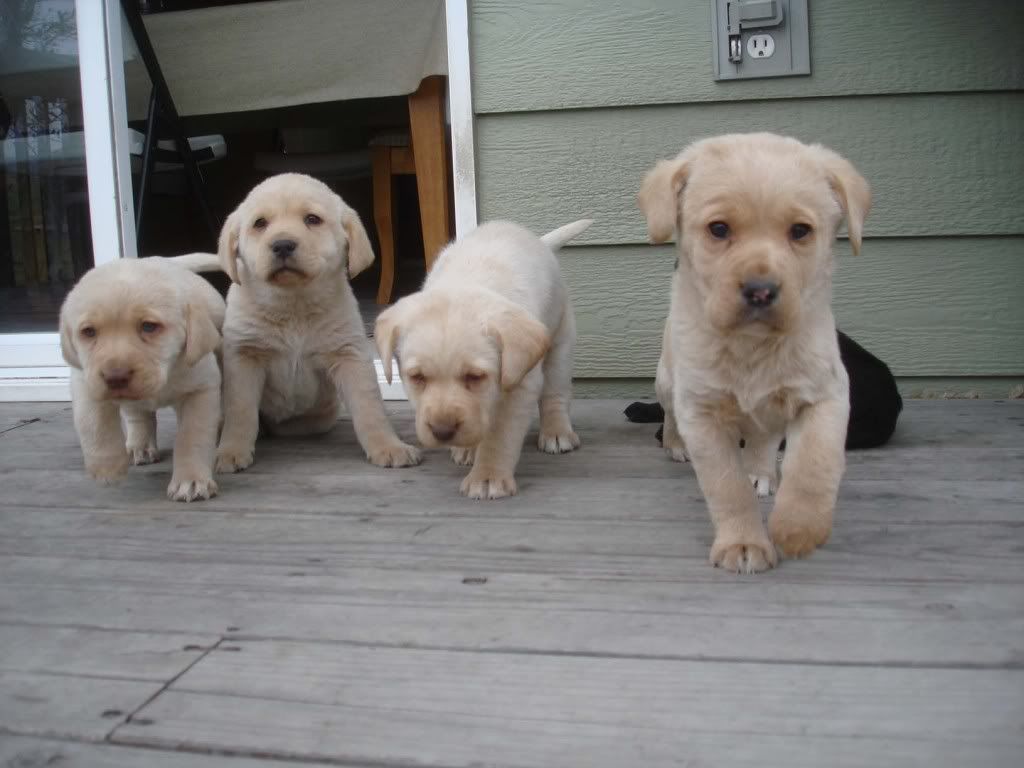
444,432
759,293
283,248
118,378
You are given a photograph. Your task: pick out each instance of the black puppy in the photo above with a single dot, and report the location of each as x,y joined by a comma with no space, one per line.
875,402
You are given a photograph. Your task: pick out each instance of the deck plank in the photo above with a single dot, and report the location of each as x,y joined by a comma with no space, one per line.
455,708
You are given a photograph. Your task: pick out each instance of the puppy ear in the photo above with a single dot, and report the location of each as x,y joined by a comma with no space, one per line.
360,252
659,196
523,341
67,344
852,192
201,335
386,331
227,245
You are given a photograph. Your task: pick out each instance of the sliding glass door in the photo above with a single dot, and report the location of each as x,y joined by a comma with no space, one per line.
61,182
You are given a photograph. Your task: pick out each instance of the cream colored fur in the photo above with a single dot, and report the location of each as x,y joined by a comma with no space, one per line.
293,336
728,372
470,346
152,327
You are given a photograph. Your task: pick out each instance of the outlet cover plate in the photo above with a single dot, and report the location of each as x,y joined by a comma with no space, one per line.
792,54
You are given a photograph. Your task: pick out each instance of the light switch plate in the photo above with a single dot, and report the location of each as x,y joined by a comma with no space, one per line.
751,30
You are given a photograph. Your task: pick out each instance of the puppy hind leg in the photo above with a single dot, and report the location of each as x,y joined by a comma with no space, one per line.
671,439
317,421
353,373
494,466
141,440
556,432
760,457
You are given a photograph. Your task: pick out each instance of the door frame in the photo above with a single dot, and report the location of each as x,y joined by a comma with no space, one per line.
31,365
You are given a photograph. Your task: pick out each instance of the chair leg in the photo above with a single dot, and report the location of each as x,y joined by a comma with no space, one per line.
383,218
430,153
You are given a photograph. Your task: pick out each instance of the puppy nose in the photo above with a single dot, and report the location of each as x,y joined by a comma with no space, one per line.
283,248
444,431
117,378
759,293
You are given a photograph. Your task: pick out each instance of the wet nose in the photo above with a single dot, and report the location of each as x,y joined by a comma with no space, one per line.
759,293
283,248
444,431
117,378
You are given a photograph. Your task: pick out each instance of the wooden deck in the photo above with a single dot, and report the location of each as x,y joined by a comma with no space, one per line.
325,612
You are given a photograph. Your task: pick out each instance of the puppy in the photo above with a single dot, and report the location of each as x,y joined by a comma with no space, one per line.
140,334
750,350
468,347
293,336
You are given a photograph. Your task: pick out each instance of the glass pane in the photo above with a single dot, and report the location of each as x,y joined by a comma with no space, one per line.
45,241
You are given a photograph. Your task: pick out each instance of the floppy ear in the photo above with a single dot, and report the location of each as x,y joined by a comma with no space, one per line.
523,341
201,335
386,330
67,344
659,196
227,245
852,192
360,252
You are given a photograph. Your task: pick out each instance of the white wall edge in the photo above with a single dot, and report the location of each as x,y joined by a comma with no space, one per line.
460,104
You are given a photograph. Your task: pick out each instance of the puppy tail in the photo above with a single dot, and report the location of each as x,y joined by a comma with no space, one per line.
559,237
197,262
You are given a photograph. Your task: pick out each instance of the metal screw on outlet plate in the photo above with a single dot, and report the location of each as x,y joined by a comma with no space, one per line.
760,46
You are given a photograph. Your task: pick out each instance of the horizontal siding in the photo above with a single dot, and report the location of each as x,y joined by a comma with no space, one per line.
928,306
938,165
556,54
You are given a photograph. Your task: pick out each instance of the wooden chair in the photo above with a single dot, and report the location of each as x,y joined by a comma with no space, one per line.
425,155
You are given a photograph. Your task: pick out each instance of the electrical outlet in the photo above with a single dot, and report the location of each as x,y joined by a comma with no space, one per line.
760,46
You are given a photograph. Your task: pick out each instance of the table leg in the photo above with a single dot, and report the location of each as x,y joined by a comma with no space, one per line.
430,153
383,211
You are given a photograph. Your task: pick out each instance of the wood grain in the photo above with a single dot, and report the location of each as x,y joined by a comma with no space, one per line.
937,164
561,54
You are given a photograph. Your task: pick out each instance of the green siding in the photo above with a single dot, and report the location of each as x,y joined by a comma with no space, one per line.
916,95
556,54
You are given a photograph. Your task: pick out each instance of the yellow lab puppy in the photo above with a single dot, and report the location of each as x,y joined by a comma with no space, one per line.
468,347
750,350
140,334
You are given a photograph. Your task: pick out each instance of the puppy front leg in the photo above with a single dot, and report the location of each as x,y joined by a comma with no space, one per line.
811,470
494,466
141,428
741,542
98,424
198,417
244,377
353,373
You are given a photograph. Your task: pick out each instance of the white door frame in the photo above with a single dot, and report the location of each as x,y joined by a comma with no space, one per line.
31,366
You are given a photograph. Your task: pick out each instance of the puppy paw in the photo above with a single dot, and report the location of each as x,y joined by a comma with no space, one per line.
464,457
144,454
764,485
108,470
798,534
187,487
395,454
488,485
743,556
563,442
677,453
232,459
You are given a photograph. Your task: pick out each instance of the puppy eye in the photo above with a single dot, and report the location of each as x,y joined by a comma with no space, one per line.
719,230
472,379
89,332
149,327
799,231
260,223
418,379
312,220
